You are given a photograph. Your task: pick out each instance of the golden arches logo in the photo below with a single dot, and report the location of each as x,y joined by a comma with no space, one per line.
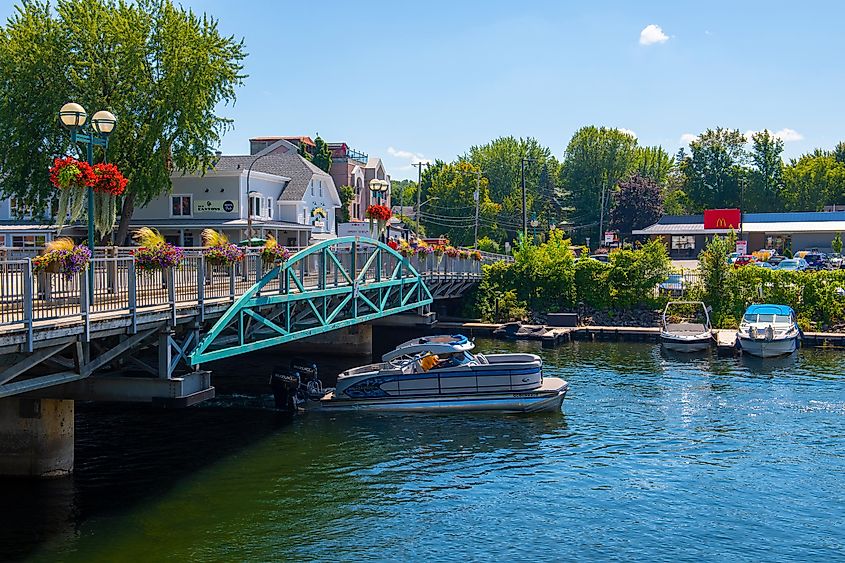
721,223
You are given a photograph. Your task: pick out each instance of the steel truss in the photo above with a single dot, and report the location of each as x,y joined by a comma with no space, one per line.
327,286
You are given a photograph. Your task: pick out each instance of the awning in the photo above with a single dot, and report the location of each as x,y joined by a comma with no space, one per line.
679,229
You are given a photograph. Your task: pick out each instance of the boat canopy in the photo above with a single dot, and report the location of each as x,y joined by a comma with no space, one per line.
442,344
768,309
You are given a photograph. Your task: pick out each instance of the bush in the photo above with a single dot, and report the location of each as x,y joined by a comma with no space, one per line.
486,244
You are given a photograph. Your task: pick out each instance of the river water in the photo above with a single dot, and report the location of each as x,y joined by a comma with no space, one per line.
657,457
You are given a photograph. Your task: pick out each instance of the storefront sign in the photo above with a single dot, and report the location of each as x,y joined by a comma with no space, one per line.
609,237
354,230
722,218
742,247
215,206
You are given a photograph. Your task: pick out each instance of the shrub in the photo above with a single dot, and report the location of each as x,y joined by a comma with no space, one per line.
486,244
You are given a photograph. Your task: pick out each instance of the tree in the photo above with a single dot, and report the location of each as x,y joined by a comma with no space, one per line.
836,243
637,204
403,192
596,159
161,69
766,176
714,169
449,189
812,181
322,155
654,163
347,194
501,162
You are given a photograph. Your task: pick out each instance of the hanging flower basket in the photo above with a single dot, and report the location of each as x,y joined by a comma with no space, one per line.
218,250
424,250
406,249
224,255
155,254
62,256
274,252
319,212
381,214
475,255
70,173
452,252
109,180
73,178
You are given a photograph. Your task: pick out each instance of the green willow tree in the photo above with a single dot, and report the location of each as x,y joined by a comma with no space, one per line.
161,69
322,155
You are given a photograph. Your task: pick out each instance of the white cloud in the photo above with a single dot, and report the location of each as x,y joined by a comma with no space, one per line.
786,135
687,138
626,131
651,34
411,157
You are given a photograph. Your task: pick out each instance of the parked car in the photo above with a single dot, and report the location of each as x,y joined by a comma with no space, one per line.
766,265
834,261
776,259
732,257
601,258
674,285
793,265
816,261
744,260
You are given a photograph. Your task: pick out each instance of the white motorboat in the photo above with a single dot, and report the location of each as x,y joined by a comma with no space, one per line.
768,330
439,374
685,336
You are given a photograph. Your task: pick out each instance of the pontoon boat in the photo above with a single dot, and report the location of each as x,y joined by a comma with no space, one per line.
439,374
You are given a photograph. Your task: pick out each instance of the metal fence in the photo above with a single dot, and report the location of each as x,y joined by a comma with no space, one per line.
120,289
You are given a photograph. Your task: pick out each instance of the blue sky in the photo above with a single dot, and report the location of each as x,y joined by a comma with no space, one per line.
408,81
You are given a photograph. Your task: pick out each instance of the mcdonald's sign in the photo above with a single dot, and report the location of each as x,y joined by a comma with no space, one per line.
722,218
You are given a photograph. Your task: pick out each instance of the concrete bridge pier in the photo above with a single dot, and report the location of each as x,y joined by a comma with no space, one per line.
36,437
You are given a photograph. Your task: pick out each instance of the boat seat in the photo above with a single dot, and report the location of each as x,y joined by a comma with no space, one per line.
481,359
686,328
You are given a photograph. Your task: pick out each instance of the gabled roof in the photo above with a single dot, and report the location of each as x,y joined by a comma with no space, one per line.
290,165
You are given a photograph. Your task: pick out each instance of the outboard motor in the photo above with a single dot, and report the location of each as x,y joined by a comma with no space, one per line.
285,385
292,386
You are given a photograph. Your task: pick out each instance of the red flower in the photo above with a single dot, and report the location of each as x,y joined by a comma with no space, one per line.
109,179
379,212
71,173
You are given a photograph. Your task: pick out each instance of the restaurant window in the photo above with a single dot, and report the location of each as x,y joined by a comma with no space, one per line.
29,241
180,206
683,242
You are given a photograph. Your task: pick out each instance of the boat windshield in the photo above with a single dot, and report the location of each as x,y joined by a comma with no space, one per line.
766,318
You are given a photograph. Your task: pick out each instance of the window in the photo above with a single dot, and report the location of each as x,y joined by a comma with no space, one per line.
256,202
312,187
270,207
683,242
320,183
17,210
180,206
28,240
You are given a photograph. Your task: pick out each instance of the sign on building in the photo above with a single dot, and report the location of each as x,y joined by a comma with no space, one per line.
215,206
354,230
609,237
722,218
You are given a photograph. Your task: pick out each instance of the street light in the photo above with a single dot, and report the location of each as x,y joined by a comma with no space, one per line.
379,189
74,117
534,224
249,196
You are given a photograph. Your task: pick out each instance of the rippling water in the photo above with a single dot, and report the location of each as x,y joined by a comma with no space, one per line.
656,457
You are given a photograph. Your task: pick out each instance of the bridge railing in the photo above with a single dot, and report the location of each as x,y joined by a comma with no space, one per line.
120,289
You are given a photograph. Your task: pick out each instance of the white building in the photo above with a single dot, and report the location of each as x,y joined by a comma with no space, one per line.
285,193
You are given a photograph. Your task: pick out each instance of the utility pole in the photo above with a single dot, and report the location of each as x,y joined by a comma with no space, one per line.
524,207
419,166
477,204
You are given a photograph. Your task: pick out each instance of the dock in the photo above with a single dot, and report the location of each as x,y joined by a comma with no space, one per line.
725,341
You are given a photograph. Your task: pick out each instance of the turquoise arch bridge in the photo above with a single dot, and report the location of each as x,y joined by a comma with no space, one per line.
327,286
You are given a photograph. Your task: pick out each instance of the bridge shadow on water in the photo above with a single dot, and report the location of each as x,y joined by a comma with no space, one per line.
125,454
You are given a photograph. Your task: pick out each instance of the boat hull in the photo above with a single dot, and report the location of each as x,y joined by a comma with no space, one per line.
686,344
767,348
547,398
